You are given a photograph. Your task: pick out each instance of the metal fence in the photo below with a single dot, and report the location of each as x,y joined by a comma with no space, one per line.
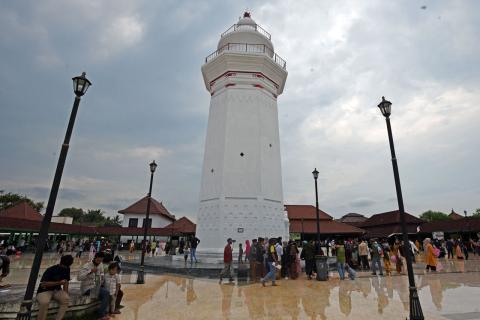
255,27
248,48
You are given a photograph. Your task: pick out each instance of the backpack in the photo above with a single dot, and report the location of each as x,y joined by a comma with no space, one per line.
380,250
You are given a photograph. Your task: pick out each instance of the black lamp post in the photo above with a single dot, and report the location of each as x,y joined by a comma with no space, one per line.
415,307
80,87
141,273
315,177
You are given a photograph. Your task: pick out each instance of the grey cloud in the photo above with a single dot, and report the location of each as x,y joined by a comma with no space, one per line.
42,193
362,202
148,92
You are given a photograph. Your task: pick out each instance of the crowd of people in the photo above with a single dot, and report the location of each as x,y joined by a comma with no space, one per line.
268,259
99,278
273,258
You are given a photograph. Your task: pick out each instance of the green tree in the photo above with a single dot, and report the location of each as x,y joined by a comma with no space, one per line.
95,217
75,213
91,217
9,200
113,222
476,214
434,216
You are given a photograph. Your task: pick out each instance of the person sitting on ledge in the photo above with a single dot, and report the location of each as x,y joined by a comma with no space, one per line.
91,276
54,285
4,269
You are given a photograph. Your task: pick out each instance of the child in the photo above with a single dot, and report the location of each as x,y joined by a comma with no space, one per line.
112,284
186,252
240,253
386,258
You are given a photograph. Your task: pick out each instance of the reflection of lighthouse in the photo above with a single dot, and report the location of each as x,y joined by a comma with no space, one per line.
241,193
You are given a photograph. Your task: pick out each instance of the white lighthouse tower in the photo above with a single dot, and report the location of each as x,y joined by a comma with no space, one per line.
241,193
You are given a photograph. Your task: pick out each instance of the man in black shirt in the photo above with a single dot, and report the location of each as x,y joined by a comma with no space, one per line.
53,279
260,268
194,241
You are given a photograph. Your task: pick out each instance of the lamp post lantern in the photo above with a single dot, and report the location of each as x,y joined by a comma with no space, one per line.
315,177
146,225
80,87
416,313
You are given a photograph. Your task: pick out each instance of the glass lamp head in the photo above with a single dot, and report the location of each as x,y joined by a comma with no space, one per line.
80,85
385,107
153,166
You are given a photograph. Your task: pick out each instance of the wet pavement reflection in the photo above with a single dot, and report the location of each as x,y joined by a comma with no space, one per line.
450,294
443,296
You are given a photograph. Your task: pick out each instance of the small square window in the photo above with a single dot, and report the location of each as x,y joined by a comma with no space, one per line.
133,223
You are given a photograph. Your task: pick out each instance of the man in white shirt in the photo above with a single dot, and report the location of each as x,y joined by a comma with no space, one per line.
414,250
279,248
91,276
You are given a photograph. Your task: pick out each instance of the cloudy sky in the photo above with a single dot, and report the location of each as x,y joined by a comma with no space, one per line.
148,100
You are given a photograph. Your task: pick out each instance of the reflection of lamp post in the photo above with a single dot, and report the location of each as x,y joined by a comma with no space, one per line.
80,87
415,307
315,177
141,273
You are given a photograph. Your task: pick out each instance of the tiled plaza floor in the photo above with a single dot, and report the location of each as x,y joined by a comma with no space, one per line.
451,294
443,296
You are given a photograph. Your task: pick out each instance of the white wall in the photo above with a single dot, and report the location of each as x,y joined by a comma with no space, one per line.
157,220
241,191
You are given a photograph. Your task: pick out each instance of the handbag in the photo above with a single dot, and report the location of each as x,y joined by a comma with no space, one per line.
393,258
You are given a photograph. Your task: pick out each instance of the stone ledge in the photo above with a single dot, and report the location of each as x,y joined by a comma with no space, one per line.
79,305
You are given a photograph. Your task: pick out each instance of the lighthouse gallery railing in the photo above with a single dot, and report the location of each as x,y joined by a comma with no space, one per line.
250,48
254,27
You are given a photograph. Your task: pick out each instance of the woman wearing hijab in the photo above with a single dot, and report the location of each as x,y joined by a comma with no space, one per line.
247,250
431,259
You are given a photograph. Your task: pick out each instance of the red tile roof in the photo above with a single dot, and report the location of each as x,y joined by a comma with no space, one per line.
468,224
455,216
330,227
182,226
391,217
382,225
140,207
305,212
22,211
21,225
353,218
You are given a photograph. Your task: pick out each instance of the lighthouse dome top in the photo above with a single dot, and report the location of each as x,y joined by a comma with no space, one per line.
246,20
246,30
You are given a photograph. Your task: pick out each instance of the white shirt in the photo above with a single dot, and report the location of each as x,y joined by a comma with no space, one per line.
279,249
89,280
111,283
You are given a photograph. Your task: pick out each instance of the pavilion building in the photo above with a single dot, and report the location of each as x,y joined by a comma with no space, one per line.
353,219
455,216
387,224
303,224
135,215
